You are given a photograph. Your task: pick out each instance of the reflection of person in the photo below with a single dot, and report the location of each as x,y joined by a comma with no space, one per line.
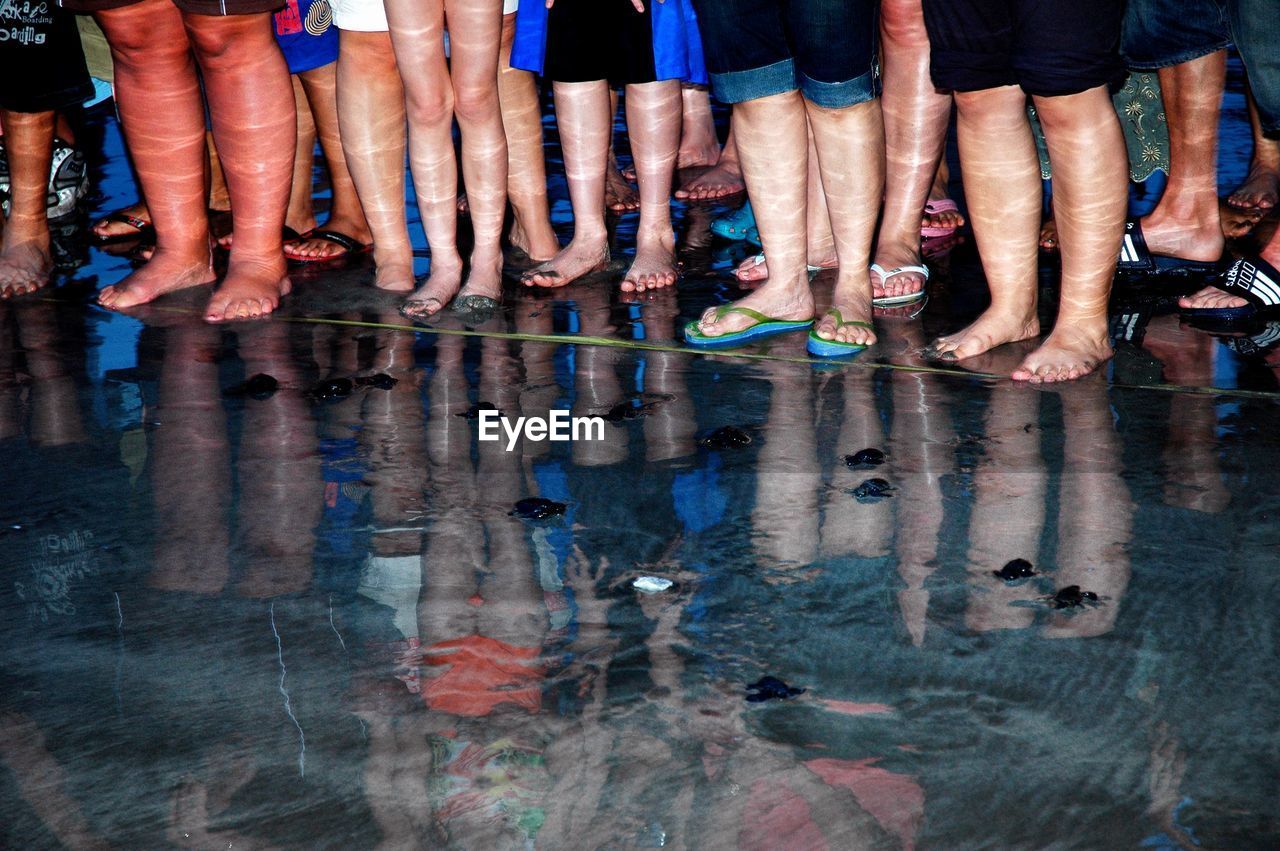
39,75
246,82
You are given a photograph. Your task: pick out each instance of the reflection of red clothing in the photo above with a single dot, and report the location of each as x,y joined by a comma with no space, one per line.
777,816
482,674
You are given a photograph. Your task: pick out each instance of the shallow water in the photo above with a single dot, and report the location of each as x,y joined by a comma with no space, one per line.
213,605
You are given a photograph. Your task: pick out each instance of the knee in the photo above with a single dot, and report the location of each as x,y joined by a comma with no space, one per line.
474,104
430,108
229,40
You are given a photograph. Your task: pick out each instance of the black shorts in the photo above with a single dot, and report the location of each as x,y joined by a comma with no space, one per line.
42,65
1048,47
599,40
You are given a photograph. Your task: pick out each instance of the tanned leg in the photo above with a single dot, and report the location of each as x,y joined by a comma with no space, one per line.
345,214
915,124
1261,189
475,39
25,263
582,113
653,121
254,126
773,145
371,120
1090,199
1002,183
850,146
526,163
300,214
417,32
158,97
1186,221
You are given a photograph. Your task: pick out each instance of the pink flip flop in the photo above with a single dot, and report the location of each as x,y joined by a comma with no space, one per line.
943,205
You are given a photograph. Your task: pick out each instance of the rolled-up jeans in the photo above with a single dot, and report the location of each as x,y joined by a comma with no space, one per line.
826,49
1163,33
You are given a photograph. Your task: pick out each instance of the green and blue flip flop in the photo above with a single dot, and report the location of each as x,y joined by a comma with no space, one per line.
765,326
834,348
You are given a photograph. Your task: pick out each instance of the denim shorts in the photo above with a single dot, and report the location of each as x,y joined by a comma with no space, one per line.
826,49
1163,33
1048,47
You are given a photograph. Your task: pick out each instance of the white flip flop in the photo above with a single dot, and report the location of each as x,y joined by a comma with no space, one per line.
905,298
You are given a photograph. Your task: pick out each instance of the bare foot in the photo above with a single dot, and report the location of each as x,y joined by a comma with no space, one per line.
990,330
484,279
695,153
852,304
776,300
720,181
541,249
441,285
24,268
1049,235
654,266
573,261
320,249
1260,190
1068,353
394,277
249,291
464,206
619,195
891,257
1239,222
164,273
137,216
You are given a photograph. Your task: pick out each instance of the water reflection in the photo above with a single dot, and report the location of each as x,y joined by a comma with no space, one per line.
232,620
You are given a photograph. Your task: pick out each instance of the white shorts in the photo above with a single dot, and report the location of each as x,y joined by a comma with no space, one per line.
365,16
371,16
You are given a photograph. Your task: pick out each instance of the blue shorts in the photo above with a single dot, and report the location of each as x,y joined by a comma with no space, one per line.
305,32
826,49
1048,47
1163,33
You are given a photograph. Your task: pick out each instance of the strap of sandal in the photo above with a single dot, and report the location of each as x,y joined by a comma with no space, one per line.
1133,248
1254,280
336,237
842,323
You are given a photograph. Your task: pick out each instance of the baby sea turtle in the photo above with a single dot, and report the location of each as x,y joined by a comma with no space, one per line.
1072,597
473,413
864,458
331,388
770,688
1019,568
260,386
380,381
538,508
727,437
624,411
872,490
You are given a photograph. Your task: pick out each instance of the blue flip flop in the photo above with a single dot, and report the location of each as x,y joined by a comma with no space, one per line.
835,348
734,225
764,326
